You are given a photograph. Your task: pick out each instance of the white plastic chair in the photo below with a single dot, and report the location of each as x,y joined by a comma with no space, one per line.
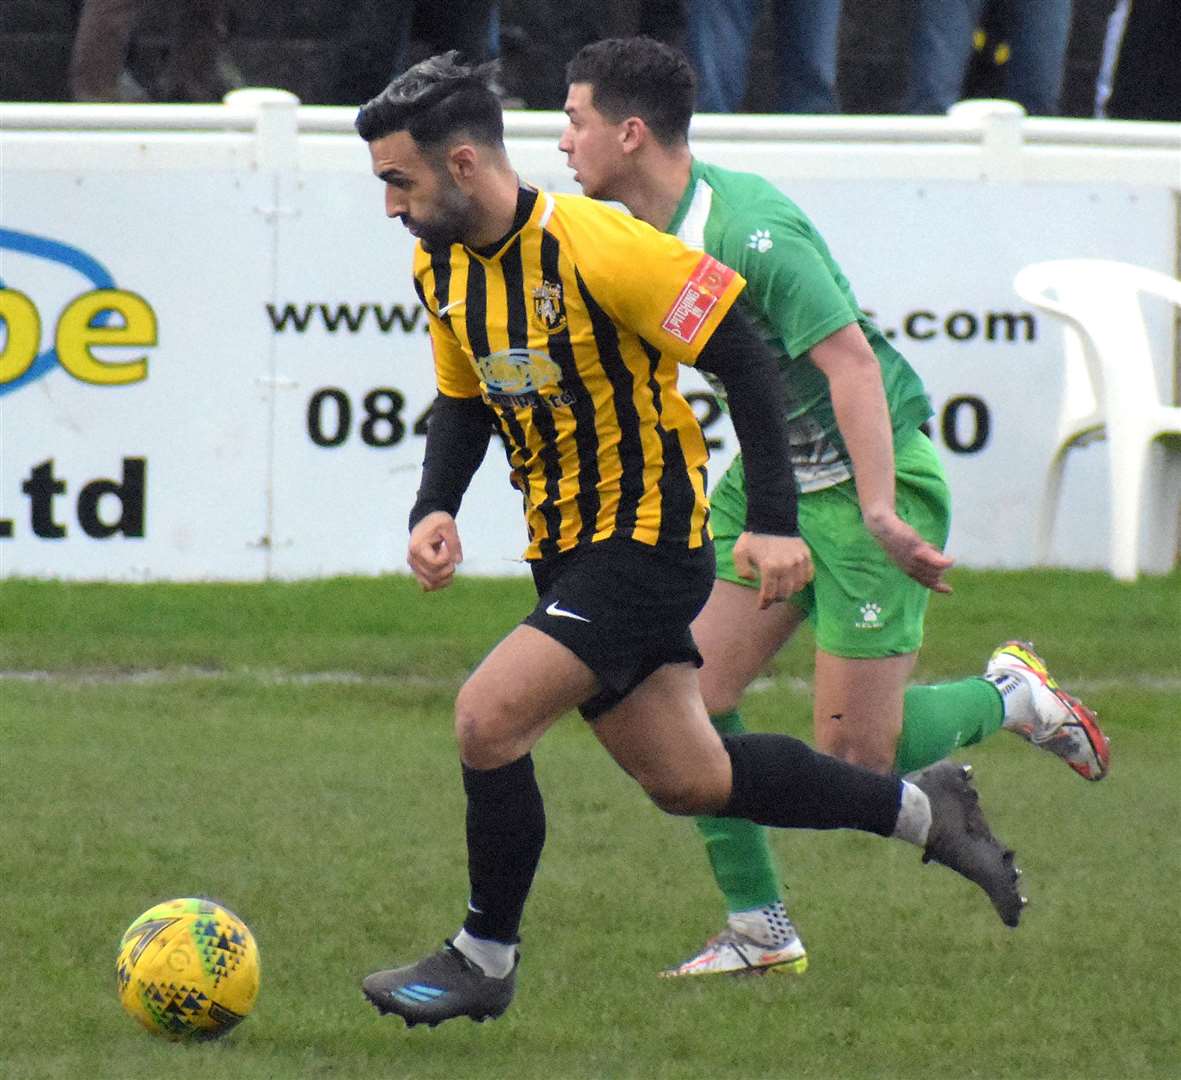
1111,392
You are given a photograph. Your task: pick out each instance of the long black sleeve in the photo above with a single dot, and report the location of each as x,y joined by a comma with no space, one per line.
747,370
456,440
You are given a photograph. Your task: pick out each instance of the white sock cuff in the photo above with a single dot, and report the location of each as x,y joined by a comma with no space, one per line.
914,815
495,958
767,925
1016,690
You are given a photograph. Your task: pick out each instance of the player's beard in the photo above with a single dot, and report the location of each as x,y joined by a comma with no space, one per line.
451,221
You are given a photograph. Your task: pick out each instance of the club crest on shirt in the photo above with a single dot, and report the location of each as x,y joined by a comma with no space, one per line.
549,307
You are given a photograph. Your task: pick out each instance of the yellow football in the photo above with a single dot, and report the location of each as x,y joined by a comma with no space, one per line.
188,969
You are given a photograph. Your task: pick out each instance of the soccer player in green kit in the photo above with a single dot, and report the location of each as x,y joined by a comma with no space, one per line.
874,507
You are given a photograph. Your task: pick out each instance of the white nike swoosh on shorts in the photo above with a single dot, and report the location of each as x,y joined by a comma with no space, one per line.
561,613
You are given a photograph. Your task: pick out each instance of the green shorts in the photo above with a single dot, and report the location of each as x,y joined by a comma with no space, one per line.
859,603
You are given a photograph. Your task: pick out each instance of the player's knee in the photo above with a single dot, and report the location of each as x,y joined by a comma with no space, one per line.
493,729
476,732
869,754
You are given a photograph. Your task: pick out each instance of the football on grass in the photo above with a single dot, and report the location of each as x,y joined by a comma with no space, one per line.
188,969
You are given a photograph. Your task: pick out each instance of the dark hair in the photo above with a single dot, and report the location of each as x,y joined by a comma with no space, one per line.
639,76
433,101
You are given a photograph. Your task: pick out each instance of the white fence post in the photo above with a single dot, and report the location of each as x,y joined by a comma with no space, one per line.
276,139
1002,138
276,124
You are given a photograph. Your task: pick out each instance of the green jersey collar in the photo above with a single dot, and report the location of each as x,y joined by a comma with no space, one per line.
695,173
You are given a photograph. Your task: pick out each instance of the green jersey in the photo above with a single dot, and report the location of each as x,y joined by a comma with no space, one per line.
797,296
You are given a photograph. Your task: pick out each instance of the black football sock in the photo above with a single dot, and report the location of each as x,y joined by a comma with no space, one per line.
505,835
781,781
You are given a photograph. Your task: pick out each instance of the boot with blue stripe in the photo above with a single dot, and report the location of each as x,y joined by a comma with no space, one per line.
440,987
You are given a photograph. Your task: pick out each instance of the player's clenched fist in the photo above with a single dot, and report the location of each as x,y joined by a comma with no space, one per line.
782,564
434,550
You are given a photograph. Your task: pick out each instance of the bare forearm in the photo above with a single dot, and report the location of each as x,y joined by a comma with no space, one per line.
859,403
864,422
863,417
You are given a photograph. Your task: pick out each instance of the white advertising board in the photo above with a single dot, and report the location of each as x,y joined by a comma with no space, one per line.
355,381
260,410
934,263
147,458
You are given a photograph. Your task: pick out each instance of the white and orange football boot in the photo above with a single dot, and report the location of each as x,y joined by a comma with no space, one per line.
732,953
1047,716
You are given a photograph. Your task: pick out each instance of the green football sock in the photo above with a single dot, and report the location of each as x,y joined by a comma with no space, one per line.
938,719
738,850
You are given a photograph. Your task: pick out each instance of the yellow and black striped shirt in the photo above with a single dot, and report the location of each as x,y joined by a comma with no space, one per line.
571,331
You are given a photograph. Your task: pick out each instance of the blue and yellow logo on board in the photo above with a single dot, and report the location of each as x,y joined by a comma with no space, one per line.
102,315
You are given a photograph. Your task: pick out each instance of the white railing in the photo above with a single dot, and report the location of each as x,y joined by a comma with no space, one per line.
969,122
978,140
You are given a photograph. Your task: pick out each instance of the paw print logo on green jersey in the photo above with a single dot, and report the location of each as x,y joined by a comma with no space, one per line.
760,241
871,616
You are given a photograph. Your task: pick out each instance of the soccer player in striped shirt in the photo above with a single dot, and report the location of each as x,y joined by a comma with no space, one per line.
559,324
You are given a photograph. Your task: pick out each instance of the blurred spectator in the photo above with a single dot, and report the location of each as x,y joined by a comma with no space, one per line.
198,66
378,40
1146,81
1112,37
805,51
664,20
538,37
1036,33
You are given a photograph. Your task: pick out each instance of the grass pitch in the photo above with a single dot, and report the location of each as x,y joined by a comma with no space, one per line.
287,749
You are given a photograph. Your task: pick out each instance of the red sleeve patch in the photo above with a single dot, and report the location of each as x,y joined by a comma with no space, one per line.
708,282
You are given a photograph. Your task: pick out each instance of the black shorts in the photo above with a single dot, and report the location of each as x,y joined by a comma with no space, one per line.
623,608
